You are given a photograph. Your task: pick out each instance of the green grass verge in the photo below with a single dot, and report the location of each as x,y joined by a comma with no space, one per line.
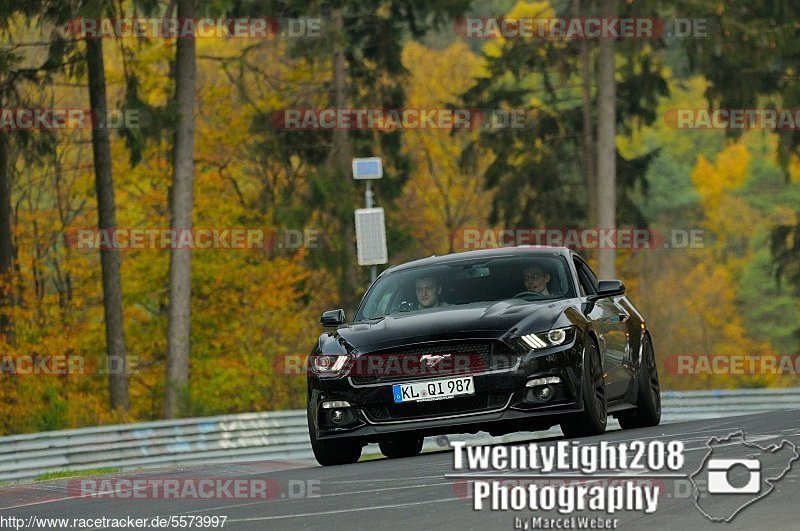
58,474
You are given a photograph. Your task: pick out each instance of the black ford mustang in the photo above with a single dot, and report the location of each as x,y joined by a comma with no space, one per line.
502,340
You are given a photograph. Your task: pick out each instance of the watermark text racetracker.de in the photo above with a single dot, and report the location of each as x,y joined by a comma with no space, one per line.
199,28
43,365
733,364
394,364
774,119
138,238
574,238
580,28
192,488
637,461
55,119
331,119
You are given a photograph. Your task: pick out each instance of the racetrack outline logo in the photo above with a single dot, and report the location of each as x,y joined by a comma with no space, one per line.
713,469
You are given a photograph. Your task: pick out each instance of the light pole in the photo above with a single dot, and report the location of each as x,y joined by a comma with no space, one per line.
370,221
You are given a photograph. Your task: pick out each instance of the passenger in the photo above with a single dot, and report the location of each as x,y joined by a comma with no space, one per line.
536,280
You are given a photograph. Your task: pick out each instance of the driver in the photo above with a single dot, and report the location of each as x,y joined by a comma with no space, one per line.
536,280
428,290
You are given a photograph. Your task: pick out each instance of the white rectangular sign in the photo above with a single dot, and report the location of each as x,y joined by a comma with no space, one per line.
371,236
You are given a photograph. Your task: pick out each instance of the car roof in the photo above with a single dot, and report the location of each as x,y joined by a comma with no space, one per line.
521,250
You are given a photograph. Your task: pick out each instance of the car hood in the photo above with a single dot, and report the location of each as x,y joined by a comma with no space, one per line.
478,320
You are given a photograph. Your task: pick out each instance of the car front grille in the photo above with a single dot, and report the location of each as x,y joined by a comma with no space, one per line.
423,361
437,408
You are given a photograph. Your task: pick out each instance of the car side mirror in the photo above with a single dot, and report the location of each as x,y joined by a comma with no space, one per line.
608,288
332,318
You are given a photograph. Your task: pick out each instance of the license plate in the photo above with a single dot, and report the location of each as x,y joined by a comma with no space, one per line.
433,390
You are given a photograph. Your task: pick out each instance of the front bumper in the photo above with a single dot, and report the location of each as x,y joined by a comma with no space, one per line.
502,403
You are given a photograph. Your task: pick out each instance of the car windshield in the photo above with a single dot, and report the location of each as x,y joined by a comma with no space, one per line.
529,278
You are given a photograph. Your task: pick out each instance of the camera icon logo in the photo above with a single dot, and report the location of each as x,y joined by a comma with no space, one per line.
718,476
736,473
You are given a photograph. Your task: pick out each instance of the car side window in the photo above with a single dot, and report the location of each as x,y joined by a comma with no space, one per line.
592,277
581,291
587,280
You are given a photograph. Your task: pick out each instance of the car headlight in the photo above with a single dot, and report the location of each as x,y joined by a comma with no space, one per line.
329,364
551,338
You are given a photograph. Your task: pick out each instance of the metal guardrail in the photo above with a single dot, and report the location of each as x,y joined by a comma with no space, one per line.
283,435
245,437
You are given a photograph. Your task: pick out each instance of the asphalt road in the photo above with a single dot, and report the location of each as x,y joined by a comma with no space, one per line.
415,494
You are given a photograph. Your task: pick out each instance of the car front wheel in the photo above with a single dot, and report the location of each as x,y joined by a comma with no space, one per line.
594,417
648,403
333,452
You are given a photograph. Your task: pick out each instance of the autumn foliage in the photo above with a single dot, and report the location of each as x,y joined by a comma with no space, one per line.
254,308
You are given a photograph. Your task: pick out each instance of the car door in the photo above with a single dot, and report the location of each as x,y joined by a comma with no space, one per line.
631,322
618,340
611,332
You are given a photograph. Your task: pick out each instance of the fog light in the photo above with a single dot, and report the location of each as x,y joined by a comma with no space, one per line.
337,416
545,393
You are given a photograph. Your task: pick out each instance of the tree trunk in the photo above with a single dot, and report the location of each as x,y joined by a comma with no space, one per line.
588,132
341,154
106,210
6,245
178,329
341,140
606,147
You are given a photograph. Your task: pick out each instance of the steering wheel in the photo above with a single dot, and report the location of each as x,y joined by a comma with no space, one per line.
405,306
526,293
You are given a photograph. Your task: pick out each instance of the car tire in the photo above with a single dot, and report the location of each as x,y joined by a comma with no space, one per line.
405,447
594,417
648,399
334,452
